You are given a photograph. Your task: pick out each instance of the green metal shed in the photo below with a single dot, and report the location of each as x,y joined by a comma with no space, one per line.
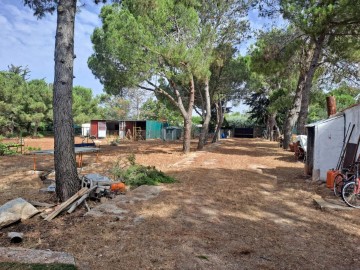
153,129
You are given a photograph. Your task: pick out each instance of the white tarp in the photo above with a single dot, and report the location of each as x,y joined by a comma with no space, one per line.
303,141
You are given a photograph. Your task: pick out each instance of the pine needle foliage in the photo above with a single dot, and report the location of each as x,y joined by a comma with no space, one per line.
134,175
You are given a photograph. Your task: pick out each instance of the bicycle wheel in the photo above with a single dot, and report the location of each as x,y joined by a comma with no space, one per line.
338,184
349,194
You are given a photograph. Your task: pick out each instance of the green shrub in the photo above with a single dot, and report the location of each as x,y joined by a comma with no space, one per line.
4,150
10,135
39,135
30,148
135,175
132,159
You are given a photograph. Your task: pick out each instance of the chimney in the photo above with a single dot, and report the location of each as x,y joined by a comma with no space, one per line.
331,105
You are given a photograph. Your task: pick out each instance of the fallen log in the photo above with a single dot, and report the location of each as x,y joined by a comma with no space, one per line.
65,204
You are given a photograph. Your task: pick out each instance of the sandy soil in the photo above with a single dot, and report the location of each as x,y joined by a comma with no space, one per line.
240,204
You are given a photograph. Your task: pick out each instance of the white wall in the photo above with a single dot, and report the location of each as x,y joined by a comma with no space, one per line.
329,137
85,129
352,116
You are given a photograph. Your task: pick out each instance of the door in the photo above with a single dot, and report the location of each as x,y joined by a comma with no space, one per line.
101,129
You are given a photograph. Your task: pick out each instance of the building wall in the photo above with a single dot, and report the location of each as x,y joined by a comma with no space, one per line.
94,128
352,116
153,129
329,138
149,129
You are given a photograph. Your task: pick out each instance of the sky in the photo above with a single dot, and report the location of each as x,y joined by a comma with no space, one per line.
29,42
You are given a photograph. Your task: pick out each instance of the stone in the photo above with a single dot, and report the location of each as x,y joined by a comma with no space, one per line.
330,205
24,255
15,210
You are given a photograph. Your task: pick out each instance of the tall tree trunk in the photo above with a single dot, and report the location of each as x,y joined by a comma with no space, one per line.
205,127
67,181
271,123
308,84
187,117
187,135
293,113
215,137
274,130
219,120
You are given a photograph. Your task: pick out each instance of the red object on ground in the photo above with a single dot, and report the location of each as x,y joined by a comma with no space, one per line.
118,187
330,176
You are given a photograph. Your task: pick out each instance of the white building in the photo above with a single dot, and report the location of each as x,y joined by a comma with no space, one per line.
85,129
326,140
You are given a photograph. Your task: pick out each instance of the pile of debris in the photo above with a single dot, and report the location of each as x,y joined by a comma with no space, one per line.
94,186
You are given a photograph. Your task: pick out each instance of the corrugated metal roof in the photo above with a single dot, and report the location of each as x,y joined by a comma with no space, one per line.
333,117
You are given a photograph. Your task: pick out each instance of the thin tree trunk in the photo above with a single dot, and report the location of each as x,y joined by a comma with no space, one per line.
187,118
215,137
36,128
274,130
205,127
270,124
219,120
304,110
67,181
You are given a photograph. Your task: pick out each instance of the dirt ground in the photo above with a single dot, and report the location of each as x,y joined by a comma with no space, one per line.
239,204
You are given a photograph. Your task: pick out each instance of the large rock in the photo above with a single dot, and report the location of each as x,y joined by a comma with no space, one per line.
23,255
15,210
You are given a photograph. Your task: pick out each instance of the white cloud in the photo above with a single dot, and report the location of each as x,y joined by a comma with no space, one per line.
88,17
27,41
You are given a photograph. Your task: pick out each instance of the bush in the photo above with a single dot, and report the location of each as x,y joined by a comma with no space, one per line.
30,148
11,135
135,175
39,135
5,150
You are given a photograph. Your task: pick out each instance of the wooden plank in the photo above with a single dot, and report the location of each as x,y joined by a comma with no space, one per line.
77,203
87,207
41,204
65,204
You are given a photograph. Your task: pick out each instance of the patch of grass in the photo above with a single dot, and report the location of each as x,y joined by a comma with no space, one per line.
35,266
203,257
30,148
